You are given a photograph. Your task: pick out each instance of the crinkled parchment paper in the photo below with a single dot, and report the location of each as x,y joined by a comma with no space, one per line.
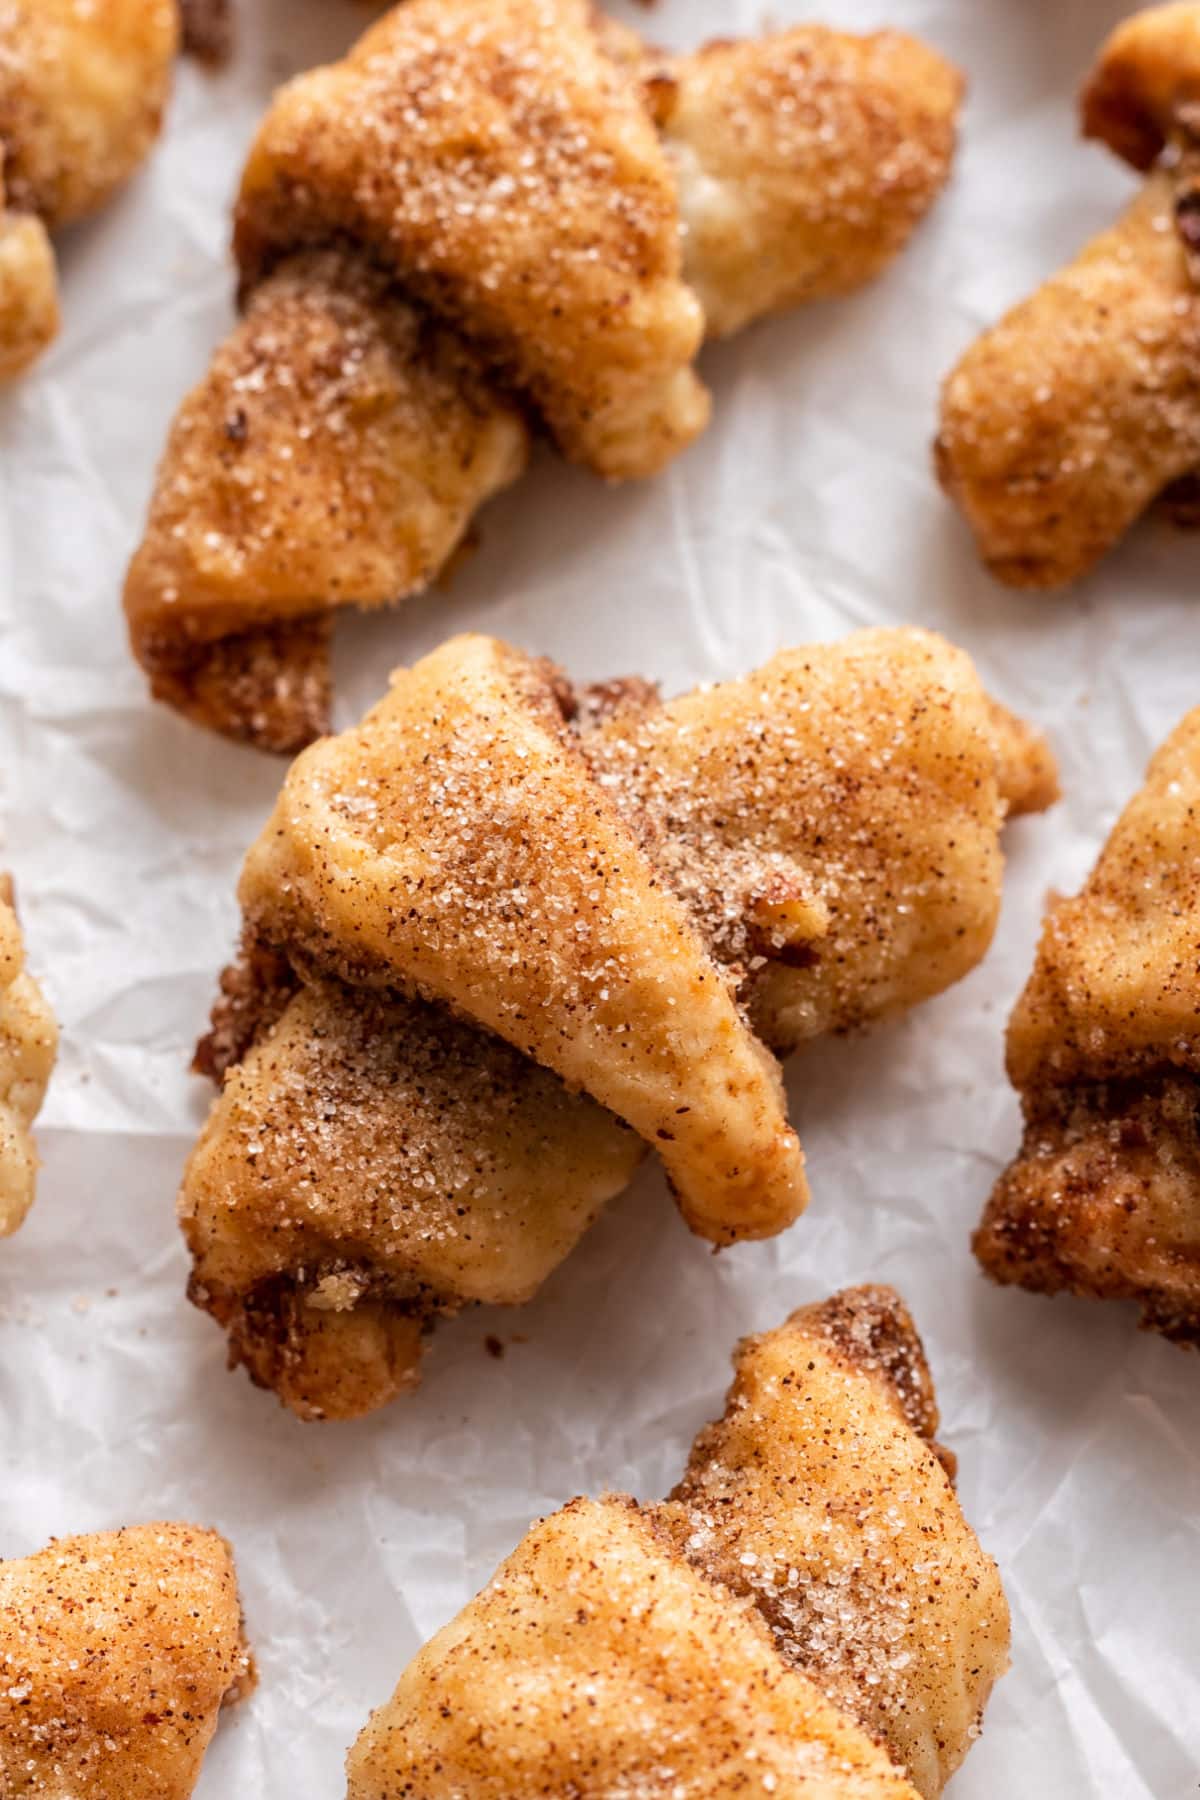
808,509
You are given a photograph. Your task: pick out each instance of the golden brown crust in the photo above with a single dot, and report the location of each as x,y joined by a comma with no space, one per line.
370,1165
878,884
729,1641
1062,424
822,1498
1104,1047
496,162
1066,421
804,162
270,686
530,908
118,1652
828,828
1145,76
1113,989
334,455
83,84
341,442
1103,1199
28,1045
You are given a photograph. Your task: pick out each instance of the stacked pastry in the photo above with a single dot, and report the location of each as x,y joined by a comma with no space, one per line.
508,933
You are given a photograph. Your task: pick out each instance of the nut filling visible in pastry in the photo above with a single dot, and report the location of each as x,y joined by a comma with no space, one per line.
118,1651
82,91
1061,425
506,934
28,1045
492,215
809,1616
1103,1199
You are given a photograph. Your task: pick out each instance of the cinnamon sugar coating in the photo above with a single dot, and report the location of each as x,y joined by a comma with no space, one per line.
1061,425
334,455
83,84
28,1044
490,216
504,915
117,1652
838,1619
371,1163
1103,1199
804,162
500,165
458,845
822,1494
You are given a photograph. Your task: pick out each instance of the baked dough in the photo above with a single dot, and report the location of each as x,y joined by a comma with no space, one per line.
492,214
1061,425
808,1616
83,84
118,1652
506,934
1103,1199
28,1044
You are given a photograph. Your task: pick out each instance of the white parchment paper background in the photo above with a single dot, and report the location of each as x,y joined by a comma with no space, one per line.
808,510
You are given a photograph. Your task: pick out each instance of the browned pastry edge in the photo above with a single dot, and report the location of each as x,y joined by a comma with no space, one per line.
871,1329
1124,102
287,1348
1075,1212
271,686
1112,111
254,990
207,30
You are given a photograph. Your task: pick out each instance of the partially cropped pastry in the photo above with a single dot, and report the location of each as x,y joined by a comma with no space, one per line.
28,1042
117,1652
809,1615
509,933
1064,423
494,215
1104,1047
83,84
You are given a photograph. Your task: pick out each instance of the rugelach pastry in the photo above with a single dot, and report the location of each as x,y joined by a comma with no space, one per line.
1081,408
83,84
494,216
117,1651
809,1616
1103,1199
509,933
28,1045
